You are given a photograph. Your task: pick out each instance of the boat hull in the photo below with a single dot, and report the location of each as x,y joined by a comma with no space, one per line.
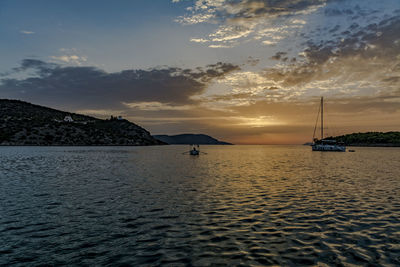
335,148
194,152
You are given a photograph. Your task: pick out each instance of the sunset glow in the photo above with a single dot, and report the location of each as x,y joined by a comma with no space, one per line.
243,71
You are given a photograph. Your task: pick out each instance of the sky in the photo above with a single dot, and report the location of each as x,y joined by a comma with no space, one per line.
246,72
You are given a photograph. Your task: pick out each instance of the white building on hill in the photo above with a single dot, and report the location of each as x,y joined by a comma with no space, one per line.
68,119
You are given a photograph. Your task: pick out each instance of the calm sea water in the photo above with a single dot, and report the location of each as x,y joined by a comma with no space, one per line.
235,205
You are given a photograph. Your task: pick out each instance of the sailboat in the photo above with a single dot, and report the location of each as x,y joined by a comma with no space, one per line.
325,144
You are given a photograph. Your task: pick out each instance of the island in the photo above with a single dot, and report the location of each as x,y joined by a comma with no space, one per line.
377,139
188,139
23,123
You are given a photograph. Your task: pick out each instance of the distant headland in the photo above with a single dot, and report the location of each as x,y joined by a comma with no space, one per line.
187,139
22,123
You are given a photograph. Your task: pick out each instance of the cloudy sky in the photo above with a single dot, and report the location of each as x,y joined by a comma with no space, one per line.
248,72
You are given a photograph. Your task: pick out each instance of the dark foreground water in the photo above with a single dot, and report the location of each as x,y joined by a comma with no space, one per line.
236,205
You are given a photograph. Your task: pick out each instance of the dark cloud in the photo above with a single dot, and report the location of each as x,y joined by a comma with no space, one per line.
252,61
279,55
394,80
353,26
249,9
40,67
368,42
35,64
357,54
340,108
335,29
228,97
338,12
387,103
90,87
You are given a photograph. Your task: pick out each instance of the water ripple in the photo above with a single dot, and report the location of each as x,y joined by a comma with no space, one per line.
150,206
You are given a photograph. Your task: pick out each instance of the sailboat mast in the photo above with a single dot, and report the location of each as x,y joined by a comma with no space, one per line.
322,118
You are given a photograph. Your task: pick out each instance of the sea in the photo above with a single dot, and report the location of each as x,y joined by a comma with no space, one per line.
229,206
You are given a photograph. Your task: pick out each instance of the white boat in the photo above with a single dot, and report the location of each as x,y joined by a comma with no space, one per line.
325,144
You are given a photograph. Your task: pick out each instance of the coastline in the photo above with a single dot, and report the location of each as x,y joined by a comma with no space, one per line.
80,145
374,145
364,145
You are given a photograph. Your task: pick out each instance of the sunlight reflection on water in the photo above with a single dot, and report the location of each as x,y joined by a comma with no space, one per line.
251,205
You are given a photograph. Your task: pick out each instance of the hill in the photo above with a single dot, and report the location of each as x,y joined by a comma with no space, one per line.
187,139
370,139
22,123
